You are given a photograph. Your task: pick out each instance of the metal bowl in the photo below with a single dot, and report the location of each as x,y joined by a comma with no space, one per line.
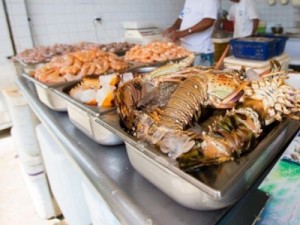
277,30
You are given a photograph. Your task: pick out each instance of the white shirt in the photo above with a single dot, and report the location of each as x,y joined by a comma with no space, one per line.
193,12
242,13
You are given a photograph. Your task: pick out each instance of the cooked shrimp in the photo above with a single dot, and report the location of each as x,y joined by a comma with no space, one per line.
61,61
51,76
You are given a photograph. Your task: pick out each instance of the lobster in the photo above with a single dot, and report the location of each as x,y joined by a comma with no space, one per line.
252,105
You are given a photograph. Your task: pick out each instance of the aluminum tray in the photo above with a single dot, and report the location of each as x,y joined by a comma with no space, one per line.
56,101
86,118
217,186
29,67
47,95
153,64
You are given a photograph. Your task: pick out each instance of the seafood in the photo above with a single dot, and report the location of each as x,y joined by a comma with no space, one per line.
251,105
205,87
49,75
80,64
44,54
96,91
130,93
155,52
86,90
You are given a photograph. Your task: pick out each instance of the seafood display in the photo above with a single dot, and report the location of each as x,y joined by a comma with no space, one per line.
100,90
155,52
96,90
44,54
79,64
116,47
169,105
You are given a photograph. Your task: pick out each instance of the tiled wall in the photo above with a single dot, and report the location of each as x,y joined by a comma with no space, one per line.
69,21
20,28
285,15
5,43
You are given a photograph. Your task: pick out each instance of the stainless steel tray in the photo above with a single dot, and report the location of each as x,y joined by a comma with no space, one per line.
216,186
56,101
142,69
47,95
154,64
86,118
29,67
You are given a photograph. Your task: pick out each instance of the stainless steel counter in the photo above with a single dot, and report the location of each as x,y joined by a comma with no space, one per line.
131,197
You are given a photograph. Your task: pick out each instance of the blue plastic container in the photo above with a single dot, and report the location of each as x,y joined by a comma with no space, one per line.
255,48
280,42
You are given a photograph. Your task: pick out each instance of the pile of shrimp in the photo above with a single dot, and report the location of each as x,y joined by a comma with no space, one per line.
155,52
43,54
79,64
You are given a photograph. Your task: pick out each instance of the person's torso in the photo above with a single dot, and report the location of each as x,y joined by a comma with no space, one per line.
192,14
243,24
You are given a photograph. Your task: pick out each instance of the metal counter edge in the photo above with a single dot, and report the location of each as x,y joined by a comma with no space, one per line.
128,212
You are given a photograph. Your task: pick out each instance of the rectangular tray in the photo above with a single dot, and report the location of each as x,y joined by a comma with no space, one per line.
153,65
47,95
86,118
56,101
29,67
218,186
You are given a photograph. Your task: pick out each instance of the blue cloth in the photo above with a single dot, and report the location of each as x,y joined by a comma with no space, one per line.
204,59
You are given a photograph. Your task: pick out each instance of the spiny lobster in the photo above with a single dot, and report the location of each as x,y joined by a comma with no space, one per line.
161,107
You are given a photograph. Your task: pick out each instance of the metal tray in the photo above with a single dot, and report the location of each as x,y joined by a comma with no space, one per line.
135,65
86,118
54,100
216,186
47,95
29,67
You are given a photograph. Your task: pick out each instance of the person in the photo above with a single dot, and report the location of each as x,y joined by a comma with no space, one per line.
194,27
244,16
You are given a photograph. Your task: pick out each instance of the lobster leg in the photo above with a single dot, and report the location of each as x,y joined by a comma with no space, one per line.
228,138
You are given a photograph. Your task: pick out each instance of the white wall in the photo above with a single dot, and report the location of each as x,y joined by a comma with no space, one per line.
285,15
5,43
69,21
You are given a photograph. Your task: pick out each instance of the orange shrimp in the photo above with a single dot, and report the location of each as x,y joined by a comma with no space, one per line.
51,76
61,61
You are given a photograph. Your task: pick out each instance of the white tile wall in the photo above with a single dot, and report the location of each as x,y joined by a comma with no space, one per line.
69,21
20,27
285,15
5,43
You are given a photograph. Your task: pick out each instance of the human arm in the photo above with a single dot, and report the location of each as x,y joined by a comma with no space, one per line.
253,15
173,28
199,27
255,25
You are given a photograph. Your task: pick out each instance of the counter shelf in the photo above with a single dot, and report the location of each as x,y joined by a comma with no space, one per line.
133,199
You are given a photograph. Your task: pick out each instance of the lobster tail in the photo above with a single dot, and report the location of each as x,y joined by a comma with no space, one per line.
185,103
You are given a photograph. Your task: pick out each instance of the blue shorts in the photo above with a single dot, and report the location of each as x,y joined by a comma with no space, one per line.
204,59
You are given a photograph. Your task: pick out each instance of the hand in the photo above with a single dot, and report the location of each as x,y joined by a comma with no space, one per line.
173,36
168,31
176,35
